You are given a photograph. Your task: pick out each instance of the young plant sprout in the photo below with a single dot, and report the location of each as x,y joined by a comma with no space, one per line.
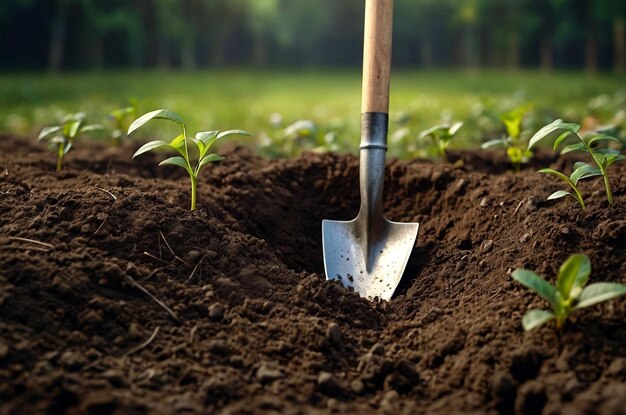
569,294
602,157
203,141
61,137
581,171
515,147
121,117
441,136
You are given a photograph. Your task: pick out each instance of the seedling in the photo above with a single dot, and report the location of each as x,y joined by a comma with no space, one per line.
441,136
581,171
203,141
602,157
515,147
570,293
121,117
61,137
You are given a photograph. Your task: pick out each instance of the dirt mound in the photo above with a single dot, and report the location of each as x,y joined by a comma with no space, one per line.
114,298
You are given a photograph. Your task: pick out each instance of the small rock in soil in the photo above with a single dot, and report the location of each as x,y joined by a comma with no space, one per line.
328,384
525,238
617,368
114,377
267,373
216,311
72,360
357,386
333,333
486,245
4,350
483,201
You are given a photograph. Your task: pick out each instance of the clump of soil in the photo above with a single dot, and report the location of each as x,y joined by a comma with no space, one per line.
114,298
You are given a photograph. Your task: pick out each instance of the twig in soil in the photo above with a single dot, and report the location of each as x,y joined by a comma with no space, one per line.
156,300
192,333
106,191
518,206
194,269
153,257
17,238
101,225
144,344
154,272
170,249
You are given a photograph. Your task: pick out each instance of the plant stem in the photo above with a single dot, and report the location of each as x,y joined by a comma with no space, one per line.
579,197
194,186
607,185
60,158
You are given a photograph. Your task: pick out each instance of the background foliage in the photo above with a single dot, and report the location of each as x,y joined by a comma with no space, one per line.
97,34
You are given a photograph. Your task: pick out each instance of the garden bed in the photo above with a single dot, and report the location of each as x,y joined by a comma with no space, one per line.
246,323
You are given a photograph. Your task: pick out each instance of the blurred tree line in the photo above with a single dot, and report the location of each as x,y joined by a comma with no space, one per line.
96,34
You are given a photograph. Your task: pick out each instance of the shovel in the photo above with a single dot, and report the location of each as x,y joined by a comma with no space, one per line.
370,253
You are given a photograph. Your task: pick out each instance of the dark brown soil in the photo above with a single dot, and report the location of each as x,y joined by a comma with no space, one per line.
252,325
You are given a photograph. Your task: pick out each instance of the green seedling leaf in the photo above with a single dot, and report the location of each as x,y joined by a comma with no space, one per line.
74,128
573,276
599,292
209,159
556,127
493,143
454,128
584,171
533,281
48,131
536,318
561,138
176,161
150,146
559,194
602,137
574,147
556,173
156,114
231,132
178,142
92,127
207,137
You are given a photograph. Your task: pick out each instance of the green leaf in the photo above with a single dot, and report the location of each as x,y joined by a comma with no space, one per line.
574,147
67,147
533,281
91,127
573,276
210,158
602,137
232,132
48,131
150,146
556,127
584,171
178,142
560,139
207,136
556,173
156,114
535,318
74,128
494,143
559,194
605,160
175,161
454,128
600,292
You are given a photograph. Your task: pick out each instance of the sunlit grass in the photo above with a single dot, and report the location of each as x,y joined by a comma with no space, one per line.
246,99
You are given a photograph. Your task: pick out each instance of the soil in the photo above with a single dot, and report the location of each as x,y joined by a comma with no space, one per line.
118,300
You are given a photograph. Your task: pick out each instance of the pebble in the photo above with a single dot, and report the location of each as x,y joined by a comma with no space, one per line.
328,384
114,377
486,245
4,350
267,374
483,201
564,230
525,238
216,311
357,386
333,333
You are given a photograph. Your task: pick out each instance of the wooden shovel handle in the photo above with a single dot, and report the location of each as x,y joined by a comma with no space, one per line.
377,55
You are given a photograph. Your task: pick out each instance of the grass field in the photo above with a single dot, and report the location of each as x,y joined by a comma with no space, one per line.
247,99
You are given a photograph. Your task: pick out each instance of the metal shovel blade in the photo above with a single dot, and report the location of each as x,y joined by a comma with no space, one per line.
373,268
